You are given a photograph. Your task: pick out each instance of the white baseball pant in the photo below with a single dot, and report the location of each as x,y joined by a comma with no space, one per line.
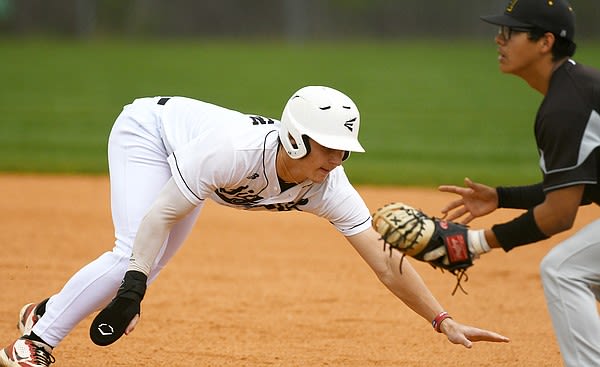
138,169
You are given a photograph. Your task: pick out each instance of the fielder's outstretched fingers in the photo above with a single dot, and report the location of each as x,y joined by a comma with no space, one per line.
453,205
455,210
455,189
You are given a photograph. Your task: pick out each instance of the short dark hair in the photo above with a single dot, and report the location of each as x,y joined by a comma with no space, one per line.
562,47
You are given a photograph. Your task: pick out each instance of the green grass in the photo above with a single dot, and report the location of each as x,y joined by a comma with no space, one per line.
432,111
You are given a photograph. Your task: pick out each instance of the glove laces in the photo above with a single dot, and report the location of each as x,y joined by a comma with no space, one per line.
416,223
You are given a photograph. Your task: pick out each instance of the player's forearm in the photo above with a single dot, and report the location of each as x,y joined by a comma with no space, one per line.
150,238
168,208
520,197
407,286
554,215
410,288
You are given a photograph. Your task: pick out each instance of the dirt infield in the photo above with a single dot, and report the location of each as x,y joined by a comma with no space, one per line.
266,289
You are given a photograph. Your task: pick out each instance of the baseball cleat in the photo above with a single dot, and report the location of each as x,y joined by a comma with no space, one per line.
26,353
27,318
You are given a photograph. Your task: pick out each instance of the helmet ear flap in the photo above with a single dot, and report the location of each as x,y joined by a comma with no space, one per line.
294,143
306,141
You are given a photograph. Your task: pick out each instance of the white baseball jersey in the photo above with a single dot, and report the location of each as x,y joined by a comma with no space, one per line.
230,157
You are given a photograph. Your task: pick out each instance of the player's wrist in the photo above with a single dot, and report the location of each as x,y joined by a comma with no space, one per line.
437,321
133,285
477,242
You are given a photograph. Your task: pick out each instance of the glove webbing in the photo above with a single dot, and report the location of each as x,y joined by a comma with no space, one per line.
417,221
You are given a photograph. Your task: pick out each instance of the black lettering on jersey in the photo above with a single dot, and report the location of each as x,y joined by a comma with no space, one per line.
259,120
248,200
238,196
285,207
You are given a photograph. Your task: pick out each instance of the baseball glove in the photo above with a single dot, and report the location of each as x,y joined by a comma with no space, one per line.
442,244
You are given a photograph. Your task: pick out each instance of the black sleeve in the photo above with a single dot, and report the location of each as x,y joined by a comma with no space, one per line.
520,197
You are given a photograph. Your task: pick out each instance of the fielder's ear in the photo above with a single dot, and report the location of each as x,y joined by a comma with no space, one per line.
548,41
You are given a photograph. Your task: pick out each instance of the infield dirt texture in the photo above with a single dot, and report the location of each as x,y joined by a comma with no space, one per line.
267,289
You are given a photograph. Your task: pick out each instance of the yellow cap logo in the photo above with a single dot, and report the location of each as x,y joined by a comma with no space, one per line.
511,5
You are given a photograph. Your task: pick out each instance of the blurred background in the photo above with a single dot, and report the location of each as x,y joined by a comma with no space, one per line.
292,20
424,75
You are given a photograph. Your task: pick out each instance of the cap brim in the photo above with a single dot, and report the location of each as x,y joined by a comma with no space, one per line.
504,19
339,143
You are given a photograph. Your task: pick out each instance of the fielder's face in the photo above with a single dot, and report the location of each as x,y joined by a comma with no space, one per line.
517,54
319,162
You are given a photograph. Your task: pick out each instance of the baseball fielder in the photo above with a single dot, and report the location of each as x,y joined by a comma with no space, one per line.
167,156
535,42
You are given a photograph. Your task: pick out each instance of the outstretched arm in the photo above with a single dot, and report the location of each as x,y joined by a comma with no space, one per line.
409,287
548,213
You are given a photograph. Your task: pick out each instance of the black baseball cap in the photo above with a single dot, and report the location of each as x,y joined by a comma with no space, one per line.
555,16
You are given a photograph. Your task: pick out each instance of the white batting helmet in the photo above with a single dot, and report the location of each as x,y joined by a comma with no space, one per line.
324,114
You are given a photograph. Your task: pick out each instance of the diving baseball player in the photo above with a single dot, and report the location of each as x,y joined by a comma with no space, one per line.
167,156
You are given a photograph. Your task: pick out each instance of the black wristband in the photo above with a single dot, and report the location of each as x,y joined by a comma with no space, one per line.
133,285
520,197
519,231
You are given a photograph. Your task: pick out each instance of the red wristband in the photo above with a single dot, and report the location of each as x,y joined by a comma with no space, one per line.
437,322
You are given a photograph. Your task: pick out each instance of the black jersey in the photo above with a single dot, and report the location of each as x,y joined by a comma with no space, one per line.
567,130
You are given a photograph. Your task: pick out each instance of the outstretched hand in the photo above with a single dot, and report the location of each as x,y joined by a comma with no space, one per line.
476,200
458,333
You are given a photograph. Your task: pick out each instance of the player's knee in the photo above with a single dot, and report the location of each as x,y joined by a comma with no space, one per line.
114,264
550,267
556,269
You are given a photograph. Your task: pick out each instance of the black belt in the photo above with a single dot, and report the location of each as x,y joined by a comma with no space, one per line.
163,100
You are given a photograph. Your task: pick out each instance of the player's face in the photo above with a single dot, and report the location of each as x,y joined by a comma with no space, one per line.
517,54
320,161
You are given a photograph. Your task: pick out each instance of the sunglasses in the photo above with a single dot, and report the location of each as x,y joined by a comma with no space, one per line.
506,32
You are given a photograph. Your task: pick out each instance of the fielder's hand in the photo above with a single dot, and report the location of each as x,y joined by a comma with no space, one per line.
122,313
476,200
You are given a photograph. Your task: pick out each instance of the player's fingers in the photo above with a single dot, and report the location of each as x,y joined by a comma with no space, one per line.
474,185
449,188
457,213
452,205
132,324
462,191
477,335
458,337
467,343
435,254
468,219
470,183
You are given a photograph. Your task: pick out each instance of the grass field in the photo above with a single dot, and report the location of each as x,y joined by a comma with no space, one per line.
432,111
